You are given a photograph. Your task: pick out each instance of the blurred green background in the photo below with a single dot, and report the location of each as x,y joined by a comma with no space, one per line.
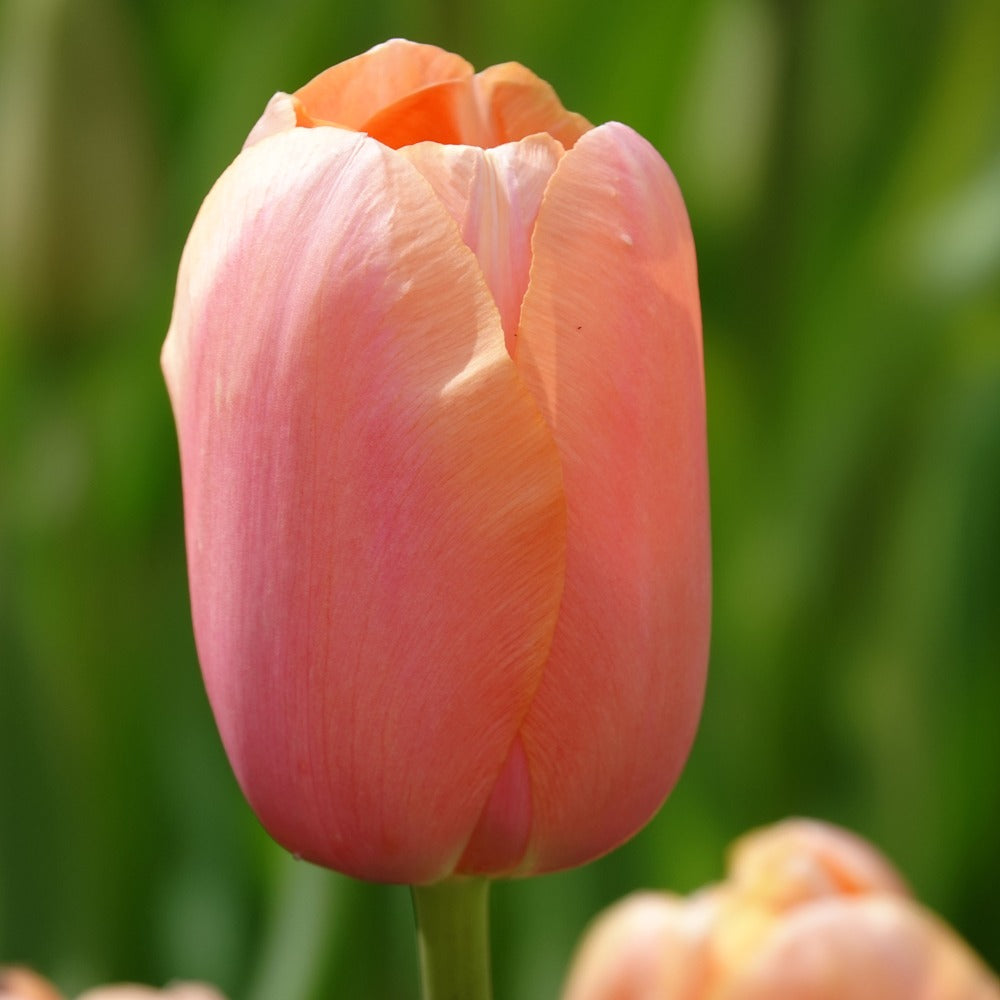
841,162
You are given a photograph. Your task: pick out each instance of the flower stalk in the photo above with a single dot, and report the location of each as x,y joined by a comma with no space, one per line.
453,939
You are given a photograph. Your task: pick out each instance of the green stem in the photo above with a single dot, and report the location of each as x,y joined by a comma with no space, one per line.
453,938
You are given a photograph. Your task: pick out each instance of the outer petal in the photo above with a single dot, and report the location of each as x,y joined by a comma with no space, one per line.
610,345
373,504
283,112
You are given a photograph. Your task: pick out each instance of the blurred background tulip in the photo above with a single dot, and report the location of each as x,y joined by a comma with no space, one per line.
176,991
19,983
841,167
808,912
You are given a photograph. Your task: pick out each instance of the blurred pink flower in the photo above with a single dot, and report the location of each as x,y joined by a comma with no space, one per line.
130,991
808,912
17,983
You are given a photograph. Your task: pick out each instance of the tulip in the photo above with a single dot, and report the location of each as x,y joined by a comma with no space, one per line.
19,983
808,912
435,363
176,991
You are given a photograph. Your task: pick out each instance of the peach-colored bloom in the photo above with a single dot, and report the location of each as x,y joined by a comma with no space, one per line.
17,983
435,361
175,991
808,912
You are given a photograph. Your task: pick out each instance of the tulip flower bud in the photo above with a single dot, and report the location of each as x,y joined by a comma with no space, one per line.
809,912
435,362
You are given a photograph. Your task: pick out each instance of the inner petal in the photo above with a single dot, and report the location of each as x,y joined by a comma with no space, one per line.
352,91
499,840
446,112
494,196
517,104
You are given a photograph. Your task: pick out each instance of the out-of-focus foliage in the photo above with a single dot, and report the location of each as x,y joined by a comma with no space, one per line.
842,169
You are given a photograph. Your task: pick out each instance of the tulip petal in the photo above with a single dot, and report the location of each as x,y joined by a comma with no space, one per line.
446,112
374,506
648,945
520,104
283,112
20,983
801,859
130,991
351,92
402,93
493,195
501,836
868,948
610,346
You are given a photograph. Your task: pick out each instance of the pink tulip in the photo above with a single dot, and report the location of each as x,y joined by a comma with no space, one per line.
808,912
435,361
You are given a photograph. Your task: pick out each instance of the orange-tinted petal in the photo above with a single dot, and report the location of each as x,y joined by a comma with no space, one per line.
130,991
493,195
801,859
610,345
20,983
517,104
648,946
871,948
446,112
351,92
373,503
402,93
